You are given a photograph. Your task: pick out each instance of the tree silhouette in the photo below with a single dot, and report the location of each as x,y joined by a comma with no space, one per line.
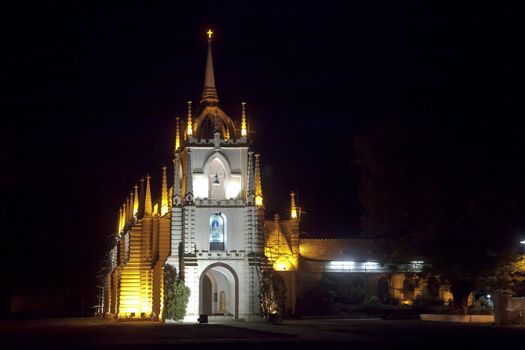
449,193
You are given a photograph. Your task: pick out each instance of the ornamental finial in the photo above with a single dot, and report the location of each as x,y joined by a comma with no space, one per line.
244,132
189,128
293,208
210,33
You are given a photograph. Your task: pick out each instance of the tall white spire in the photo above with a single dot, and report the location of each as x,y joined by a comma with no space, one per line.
209,93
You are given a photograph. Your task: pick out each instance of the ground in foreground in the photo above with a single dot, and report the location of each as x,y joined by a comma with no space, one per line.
320,334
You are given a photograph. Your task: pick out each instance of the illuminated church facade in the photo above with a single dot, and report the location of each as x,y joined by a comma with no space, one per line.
210,226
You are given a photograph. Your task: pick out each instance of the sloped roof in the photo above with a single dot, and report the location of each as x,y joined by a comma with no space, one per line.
341,249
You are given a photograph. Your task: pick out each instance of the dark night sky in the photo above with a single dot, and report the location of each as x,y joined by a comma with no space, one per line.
91,92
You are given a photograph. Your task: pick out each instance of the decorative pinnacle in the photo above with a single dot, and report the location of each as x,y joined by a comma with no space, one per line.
189,130
243,122
164,192
258,186
177,135
129,205
293,208
119,225
135,199
176,195
123,217
148,207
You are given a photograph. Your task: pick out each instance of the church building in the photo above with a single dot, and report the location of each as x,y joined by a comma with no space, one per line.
209,224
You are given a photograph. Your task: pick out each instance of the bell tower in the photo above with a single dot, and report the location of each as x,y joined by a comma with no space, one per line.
215,232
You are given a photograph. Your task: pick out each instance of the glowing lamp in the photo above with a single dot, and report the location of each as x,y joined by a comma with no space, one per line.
294,214
282,264
259,201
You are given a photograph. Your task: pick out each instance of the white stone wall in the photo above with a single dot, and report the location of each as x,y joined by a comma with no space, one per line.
234,179
240,234
242,272
234,227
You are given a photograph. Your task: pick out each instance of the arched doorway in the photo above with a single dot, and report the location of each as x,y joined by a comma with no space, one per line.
219,291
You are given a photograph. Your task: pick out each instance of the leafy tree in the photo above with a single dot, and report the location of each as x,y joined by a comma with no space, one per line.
170,275
432,287
410,284
510,278
177,300
273,293
177,295
357,295
451,194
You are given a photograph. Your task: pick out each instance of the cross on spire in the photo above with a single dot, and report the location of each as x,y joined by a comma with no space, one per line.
209,93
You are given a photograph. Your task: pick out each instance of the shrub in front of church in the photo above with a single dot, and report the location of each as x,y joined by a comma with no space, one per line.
273,294
357,295
372,306
177,300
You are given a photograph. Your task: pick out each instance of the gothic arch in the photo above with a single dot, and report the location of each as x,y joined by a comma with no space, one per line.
217,170
235,278
225,162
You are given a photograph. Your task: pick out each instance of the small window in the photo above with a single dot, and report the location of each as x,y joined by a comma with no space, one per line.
217,232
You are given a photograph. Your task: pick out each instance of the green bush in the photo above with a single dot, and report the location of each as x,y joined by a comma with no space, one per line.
373,300
357,295
372,306
394,301
177,299
273,294
425,300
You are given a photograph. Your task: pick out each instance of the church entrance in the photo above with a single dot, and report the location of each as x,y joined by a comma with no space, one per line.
219,291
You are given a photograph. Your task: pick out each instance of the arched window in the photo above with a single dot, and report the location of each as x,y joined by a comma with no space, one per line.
217,232
216,179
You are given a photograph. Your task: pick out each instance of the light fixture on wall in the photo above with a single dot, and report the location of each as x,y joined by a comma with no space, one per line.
216,180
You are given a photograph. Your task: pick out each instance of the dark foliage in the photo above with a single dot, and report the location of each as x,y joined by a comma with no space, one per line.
273,294
450,193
